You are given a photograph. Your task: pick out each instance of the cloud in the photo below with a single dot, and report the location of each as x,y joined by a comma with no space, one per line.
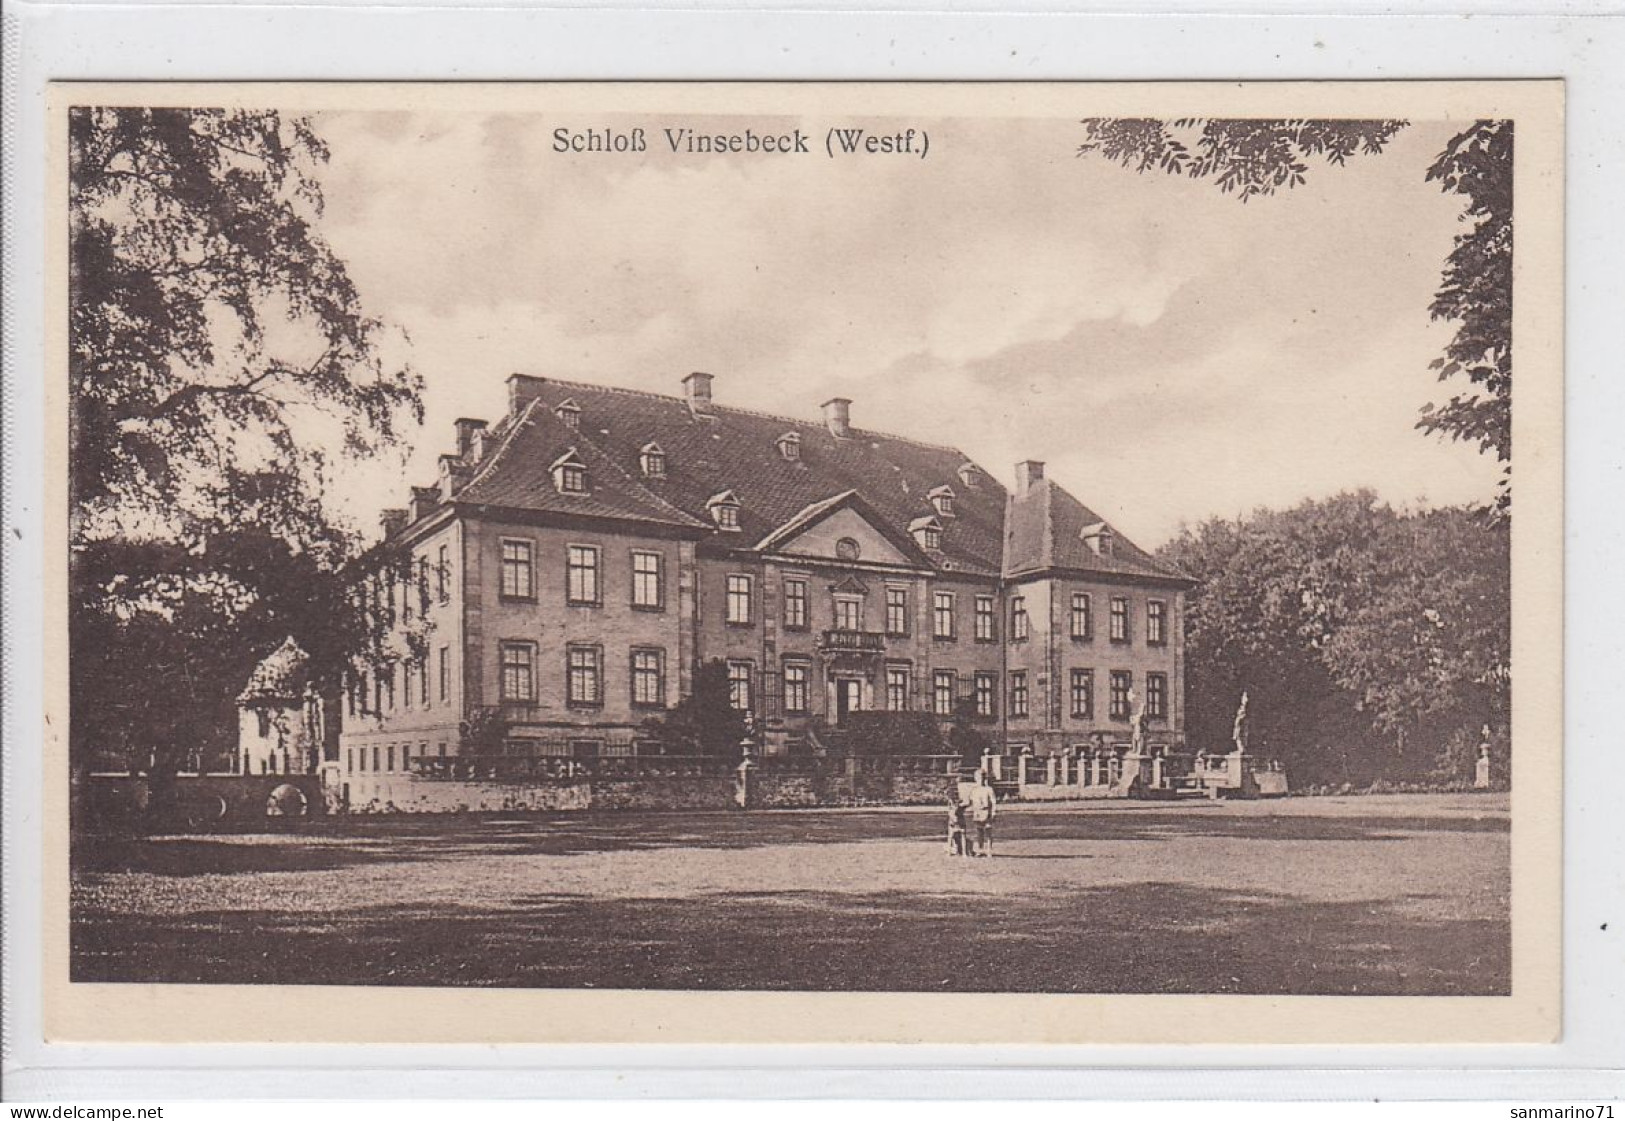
1171,352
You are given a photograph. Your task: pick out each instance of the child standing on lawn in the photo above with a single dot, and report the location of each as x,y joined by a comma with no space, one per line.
958,843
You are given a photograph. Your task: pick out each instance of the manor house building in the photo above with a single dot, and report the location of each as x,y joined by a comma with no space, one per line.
577,560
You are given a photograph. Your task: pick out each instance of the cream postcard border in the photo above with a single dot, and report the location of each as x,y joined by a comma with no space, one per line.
316,1014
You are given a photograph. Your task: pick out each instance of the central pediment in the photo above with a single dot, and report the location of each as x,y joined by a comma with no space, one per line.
843,529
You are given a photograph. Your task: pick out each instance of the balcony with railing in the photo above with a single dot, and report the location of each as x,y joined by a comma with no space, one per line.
852,642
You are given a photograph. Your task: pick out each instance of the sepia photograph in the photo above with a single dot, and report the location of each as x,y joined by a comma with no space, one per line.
798,541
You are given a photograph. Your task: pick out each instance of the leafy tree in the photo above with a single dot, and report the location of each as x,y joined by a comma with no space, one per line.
1369,641
966,739
1251,158
218,351
705,722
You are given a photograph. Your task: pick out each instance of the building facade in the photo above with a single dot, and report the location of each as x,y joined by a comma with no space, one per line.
577,560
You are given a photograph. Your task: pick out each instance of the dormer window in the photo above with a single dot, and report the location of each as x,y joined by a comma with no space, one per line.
569,473
1099,539
653,461
970,475
790,446
927,532
569,412
724,510
942,500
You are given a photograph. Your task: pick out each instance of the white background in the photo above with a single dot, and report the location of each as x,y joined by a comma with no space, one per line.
198,40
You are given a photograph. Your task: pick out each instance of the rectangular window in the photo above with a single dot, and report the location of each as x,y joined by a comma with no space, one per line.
389,686
1018,618
581,574
649,678
516,571
445,674
389,758
739,685
795,604
795,686
349,760
1119,618
422,666
1083,623
584,673
443,574
406,686
423,585
984,695
942,615
984,619
942,692
518,672
1156,696
1018,694
377,757
648,587
897,688
406,590
739,597
896,610
1083,694
848,613
1122,686
1156,622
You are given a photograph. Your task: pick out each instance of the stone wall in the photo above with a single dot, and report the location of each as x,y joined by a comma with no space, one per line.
414,795
202,800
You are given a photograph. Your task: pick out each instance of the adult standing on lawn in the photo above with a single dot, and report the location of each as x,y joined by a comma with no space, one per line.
983,805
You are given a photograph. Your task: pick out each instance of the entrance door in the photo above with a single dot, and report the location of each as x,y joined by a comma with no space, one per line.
848,698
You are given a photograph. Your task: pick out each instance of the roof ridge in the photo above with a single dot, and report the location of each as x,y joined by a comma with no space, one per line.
623,390
490,461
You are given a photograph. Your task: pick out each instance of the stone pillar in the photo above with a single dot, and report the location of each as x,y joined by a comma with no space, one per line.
1481,773
745,783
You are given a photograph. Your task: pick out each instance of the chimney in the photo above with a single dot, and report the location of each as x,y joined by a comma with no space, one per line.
392,521
424,500
454,472
466,431
697,389
838,415
1028,472
522,390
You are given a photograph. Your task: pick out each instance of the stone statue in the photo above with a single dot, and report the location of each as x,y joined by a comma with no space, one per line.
1239,734
1137,724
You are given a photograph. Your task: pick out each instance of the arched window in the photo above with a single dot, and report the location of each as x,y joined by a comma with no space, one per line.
652,461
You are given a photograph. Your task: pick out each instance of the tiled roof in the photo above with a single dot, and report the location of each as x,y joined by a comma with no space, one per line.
1044,530
282,676
518,474
736,450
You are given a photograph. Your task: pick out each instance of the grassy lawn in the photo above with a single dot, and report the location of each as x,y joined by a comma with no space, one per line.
1379,895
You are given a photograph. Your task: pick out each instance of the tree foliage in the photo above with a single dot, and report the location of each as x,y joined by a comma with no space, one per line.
1475,292
704,722
218,355
1250,158
1369,640
1244,157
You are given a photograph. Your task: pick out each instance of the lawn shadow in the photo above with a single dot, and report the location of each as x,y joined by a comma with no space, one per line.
1129,938
333,843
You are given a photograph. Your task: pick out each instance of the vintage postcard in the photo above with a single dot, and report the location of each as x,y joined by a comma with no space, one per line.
805,563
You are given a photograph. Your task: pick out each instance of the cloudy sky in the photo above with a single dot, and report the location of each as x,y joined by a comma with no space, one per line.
1170,352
